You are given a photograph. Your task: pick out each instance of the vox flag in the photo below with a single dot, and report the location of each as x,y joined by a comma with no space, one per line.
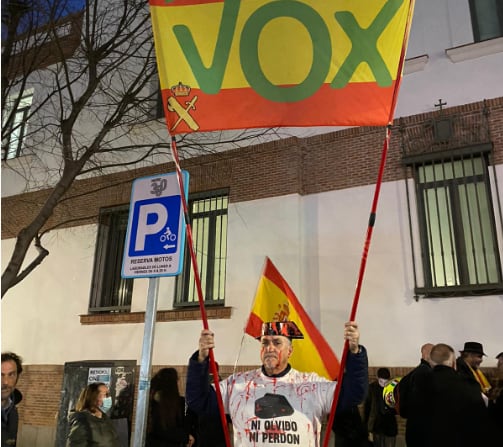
235,64
275,301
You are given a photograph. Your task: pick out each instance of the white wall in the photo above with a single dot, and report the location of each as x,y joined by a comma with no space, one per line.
438,25
315,241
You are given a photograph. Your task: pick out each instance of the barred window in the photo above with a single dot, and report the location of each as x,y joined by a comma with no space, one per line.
109,291
208,216
459,247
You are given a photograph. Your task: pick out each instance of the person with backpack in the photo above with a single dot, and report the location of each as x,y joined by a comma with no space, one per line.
379,417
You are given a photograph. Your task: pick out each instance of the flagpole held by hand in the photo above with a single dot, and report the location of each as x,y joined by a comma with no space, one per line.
195,269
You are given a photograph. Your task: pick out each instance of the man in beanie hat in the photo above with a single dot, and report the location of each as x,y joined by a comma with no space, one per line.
276,404
468,364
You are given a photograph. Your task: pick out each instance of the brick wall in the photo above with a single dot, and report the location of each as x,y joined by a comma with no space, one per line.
41,388
338,160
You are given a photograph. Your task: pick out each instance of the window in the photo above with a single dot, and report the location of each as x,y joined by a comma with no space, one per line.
109,291
487,19
159,107
459,249
14,126
208,215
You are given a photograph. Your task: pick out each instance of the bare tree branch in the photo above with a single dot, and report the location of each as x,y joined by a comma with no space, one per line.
94,80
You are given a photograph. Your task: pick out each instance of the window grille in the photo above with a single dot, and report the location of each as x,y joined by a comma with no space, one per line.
456,221
208,216
109,291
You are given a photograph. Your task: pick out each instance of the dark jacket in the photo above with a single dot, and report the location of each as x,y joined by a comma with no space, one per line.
407,404
86,430
496,411
201,396
10,420
349,429
452,409
464,370
210,431
158,435
380,418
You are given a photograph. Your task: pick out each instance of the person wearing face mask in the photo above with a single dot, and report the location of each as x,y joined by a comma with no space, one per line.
106,405
89,424
380,418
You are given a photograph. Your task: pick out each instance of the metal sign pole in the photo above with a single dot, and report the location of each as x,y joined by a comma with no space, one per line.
146,363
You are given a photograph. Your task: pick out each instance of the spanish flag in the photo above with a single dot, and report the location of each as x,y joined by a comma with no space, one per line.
276,301
236,64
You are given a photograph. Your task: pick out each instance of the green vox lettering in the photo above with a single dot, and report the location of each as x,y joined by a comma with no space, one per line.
210,79
250,60
364,48
364,45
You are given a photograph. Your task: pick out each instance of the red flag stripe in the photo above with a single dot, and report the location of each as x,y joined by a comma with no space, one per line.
235,106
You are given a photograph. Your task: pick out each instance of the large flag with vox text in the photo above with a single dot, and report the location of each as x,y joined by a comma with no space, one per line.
276,301
235,64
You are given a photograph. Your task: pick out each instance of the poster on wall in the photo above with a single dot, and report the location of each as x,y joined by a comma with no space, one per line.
99,375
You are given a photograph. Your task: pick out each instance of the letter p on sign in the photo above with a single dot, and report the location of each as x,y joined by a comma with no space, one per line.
145,227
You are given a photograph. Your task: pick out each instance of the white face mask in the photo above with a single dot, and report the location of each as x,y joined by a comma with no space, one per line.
106,405
382,382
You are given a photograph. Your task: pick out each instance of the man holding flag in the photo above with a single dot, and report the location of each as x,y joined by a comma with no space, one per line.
277,404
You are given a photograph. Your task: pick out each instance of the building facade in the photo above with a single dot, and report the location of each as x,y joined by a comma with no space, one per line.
433,271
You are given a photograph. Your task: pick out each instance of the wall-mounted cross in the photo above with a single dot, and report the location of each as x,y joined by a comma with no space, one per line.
440,104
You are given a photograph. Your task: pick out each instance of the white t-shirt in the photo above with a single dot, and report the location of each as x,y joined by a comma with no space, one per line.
269,411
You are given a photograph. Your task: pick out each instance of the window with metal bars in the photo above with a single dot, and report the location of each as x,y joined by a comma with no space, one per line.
14,125
457,228
109,291
208,217
487,19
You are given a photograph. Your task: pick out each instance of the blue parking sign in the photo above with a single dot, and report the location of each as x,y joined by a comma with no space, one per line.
155,226
155,238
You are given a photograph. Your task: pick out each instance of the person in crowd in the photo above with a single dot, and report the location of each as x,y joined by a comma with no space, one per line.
349,428
380,419
169,423
453,410
496,400
12,366
468,365
210,431
276,403
406,396
89,425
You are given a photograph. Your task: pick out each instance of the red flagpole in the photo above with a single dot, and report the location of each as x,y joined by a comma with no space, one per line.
370,227
195,268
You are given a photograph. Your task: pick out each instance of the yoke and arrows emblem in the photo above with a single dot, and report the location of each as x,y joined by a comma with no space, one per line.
182,112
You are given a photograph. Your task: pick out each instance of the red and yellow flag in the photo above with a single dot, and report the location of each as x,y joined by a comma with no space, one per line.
235,64
275,301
